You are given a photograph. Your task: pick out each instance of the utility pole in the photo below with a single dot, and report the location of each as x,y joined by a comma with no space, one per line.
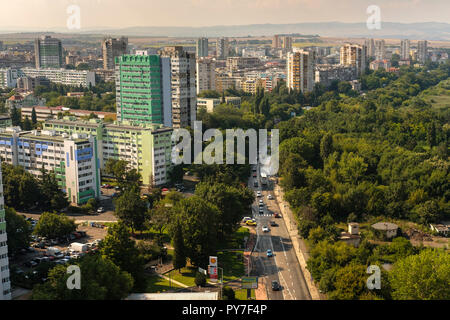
221,283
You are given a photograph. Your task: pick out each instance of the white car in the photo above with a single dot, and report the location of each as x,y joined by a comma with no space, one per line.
258,194
261,202
265,229
100,210
269,197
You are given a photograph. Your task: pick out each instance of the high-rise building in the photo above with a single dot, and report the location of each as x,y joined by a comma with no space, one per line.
183,83
354,55
380,50
206,74
202,47
48,53
404,49
5,283
1,45
370,45
111,49
222,48
287,43
276,42
300,70
422,51
143,89
73,159
8,78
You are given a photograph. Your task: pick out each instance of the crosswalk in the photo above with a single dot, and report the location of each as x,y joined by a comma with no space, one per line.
265,215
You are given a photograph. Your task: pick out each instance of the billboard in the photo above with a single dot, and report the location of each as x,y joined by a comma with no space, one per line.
249,283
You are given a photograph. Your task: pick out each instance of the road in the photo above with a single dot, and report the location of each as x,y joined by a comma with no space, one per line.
283,266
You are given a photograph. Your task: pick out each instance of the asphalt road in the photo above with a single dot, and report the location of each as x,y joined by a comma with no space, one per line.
283,266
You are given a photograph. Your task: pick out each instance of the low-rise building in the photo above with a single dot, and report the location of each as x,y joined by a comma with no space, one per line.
208,103
380,64
73,159
441,228
352,236
387,229
44,113
21,100
327,73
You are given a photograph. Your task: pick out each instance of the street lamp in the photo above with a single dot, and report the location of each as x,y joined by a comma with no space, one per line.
221,283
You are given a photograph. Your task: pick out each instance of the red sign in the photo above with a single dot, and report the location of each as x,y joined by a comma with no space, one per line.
213,275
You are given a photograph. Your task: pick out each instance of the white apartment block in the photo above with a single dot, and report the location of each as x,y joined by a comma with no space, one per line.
5,283
354,55
300,70
8,78
73,159
183,83
206,75
63,76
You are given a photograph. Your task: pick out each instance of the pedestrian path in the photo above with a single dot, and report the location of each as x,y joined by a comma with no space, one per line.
174,281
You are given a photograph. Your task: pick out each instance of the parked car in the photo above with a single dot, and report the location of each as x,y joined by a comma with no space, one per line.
251,223
273,224
246,219
30,264
276,215
269,253
275,285
255,184
269,197
100,210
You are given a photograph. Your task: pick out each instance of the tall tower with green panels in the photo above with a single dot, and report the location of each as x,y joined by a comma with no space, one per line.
143,92
5,284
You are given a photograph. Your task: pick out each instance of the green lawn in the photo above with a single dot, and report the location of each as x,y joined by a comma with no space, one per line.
156,284
241,294
232,264
237,240
186,276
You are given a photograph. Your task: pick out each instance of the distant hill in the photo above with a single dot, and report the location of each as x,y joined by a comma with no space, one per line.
425,30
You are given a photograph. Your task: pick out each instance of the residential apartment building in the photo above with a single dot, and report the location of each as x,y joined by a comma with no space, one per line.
208,103
287,43
44,113
380,64
327,73
276,42
224,82
380,50
30,83
405,47
370,45
239,63
422,51
183,84
146,147
202,47
77,78
300,68
8,78
354,55
5,282
206,74
222,48
143,89
73,159
48,53
112,48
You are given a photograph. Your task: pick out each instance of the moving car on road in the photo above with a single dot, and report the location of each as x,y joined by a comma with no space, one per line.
258,194
269,197
269,253
275,285
265,229
251,223
276,215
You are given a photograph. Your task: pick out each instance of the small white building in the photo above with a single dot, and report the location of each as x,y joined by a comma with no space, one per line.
352,236
387,228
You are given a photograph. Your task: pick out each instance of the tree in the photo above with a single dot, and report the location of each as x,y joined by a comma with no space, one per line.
326,146
27,125
33,117
228,293
126,178
122,251
131,209
179,260
350,282
52,197
200,279
198,219
18,231
15,116
101,280
52,225
423,276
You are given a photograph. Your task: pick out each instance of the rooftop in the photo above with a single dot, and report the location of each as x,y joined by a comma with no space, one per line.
387,226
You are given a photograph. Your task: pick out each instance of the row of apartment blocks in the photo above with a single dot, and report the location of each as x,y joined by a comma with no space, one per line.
83,78
5,283
73,159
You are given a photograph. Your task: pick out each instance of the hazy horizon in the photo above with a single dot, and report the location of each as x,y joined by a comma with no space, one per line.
97,14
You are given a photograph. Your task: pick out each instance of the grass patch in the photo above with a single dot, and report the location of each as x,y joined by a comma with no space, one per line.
157,284
241,294
232,263
185,275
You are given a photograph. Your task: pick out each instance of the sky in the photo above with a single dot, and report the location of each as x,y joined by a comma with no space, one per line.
47,14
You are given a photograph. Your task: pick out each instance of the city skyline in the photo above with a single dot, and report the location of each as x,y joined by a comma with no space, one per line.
199,13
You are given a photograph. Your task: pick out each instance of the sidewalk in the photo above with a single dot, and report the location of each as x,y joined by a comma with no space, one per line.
261,293
174,281
291,225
